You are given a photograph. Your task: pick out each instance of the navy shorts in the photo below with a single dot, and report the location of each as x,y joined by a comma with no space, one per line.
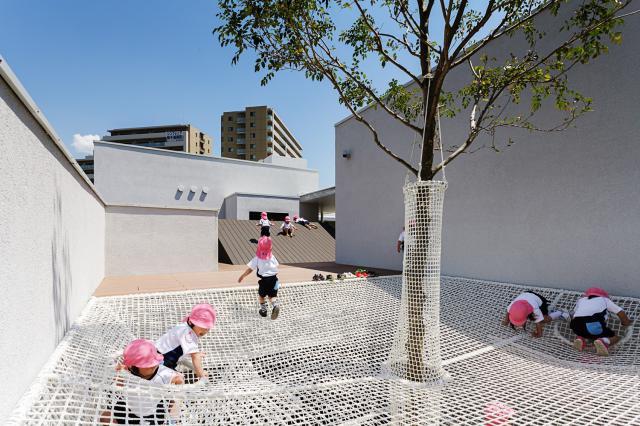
265,231
122,415
591,327
267,286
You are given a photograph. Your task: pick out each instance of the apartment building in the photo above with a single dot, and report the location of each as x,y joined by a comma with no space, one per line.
86,164
256,133
176,137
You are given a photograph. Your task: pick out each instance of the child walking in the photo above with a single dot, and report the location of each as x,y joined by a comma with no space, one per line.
590,320
266,266
531,306
143,360
265,225
287,227
183,338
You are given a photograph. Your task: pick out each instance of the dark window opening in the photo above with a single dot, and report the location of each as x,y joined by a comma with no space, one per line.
271,215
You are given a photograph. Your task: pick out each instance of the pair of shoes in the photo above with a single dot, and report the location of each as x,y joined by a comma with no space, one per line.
348,275
579,343
602,348
329,277
263,310
315,277
275,312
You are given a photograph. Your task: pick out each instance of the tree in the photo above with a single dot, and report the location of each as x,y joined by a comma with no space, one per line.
310,36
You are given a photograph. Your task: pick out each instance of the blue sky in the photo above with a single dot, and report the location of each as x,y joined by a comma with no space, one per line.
97,65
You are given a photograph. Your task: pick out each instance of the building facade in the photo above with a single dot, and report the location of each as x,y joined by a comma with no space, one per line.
175,137
86,164
256,133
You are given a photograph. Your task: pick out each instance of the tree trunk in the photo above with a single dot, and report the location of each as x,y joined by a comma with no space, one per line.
416,351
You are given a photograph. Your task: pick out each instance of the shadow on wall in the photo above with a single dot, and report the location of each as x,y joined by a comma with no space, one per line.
60,268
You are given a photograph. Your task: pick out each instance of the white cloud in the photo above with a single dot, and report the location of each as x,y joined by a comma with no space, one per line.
84,143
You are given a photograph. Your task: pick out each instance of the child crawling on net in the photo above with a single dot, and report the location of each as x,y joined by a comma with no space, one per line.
590,321
531,306
266,266
183,338
141,359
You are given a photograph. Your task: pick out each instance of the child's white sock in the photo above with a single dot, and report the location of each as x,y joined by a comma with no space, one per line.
555,315
274,302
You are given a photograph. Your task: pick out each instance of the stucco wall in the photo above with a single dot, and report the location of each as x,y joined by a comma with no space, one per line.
150,240
238,206
555,209
51,246
134,175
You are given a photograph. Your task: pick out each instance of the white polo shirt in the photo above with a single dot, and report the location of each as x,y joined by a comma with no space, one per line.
180,335
265,222
286,225
535,303
266,268
401,237
143,406
586,307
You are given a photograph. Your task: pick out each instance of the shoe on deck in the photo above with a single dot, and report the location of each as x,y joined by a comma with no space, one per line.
275,312
602,348
566,316
263,312
579,344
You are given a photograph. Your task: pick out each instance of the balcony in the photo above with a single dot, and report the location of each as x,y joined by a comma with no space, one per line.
241,151
241,130
240,120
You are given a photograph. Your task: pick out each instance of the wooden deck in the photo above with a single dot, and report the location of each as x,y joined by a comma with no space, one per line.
238,239
227,276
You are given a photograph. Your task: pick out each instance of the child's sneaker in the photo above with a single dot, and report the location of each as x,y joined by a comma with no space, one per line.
566,316
275,311
579,344
263,310
602,348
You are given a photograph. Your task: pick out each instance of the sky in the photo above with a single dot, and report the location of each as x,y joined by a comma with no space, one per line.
97,65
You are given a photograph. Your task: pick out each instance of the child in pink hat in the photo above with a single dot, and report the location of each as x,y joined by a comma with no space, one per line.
590,321
266,266
287,227
183,338
265,225
143,360
532,306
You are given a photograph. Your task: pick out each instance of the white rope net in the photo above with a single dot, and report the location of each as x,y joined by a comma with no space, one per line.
326,360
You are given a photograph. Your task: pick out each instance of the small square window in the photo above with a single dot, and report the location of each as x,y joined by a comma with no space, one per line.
230,129
253,157
230,150
230,118
252,114
253,145
230,139
253,135
252,124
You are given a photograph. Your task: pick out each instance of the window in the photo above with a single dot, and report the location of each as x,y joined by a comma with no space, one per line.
252,124
229,149
230,118
252,114
253,135
253,157
230,139
230,129
252,146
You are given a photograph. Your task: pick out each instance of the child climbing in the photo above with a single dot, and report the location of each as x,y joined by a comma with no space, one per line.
590,321
304,222
265,225
287,227
143,360
531,306
266,266
400,244
183,338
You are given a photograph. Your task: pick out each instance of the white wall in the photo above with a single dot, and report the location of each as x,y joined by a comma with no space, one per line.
51,245
149,240
238,206
298,163
554,209
135,175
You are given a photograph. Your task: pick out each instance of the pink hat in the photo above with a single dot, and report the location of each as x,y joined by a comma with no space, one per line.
519,311
141,353
497,413
264,248
263,215
596,291
287,219
203,315
295,216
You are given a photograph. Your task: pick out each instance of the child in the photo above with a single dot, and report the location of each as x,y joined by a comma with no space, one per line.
143,360
265,225
590,320
531,306
266,267
287,227
183,338
400,245
304,222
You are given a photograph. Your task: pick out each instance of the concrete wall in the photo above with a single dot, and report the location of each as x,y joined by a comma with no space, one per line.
298,163
51,243
150,240
238,206
556,209
134,175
